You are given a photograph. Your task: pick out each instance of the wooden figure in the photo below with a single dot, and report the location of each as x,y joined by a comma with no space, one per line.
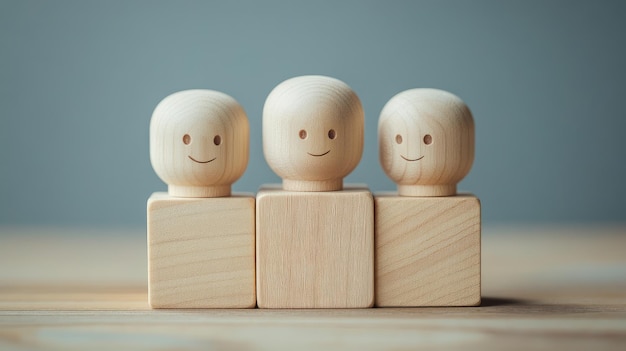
427,237
314,237
200,239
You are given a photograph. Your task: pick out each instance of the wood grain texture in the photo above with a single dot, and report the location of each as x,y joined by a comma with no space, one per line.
313,132
201,252
315,249
426,142
199,143
427,250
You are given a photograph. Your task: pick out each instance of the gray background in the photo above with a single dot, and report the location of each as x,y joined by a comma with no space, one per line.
79,81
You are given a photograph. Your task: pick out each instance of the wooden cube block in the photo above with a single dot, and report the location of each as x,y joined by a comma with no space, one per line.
201,252
315,249
427,250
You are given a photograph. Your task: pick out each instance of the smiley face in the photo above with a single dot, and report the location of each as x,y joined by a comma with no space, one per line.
426,137
197,151
304,135
217,140
199,138
407,150
316,147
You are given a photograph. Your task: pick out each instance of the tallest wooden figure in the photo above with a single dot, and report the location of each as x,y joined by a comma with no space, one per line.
314,236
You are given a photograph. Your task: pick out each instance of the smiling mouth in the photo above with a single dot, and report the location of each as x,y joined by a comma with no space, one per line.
194,160
319,154
411,160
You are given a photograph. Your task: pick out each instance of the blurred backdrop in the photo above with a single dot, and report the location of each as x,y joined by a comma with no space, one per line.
79,80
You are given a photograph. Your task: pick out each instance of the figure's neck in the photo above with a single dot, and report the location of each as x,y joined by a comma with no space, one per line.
426,190
313,185
199,191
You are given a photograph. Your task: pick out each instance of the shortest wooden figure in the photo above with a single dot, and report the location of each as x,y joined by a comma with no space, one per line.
427,236
315,237
200,238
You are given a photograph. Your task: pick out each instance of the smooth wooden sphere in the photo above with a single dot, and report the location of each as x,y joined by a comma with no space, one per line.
426,141
313,132
199,143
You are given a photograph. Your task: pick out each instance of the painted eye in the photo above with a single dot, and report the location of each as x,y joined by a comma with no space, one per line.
428,139
332,134
217,140
302,134
399,139
186,139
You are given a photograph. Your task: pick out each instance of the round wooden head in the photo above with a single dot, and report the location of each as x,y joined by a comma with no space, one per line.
426,142
199,143
313,132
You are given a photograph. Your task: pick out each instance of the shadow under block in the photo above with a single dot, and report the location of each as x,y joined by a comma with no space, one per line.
427,250
315,249
201,252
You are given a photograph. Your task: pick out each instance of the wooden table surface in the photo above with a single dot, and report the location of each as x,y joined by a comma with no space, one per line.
543,288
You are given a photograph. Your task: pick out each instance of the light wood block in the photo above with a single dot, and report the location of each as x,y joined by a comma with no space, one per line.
315,249
427,250
201,252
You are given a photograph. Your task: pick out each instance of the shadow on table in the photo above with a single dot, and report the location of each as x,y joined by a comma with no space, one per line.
501,301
